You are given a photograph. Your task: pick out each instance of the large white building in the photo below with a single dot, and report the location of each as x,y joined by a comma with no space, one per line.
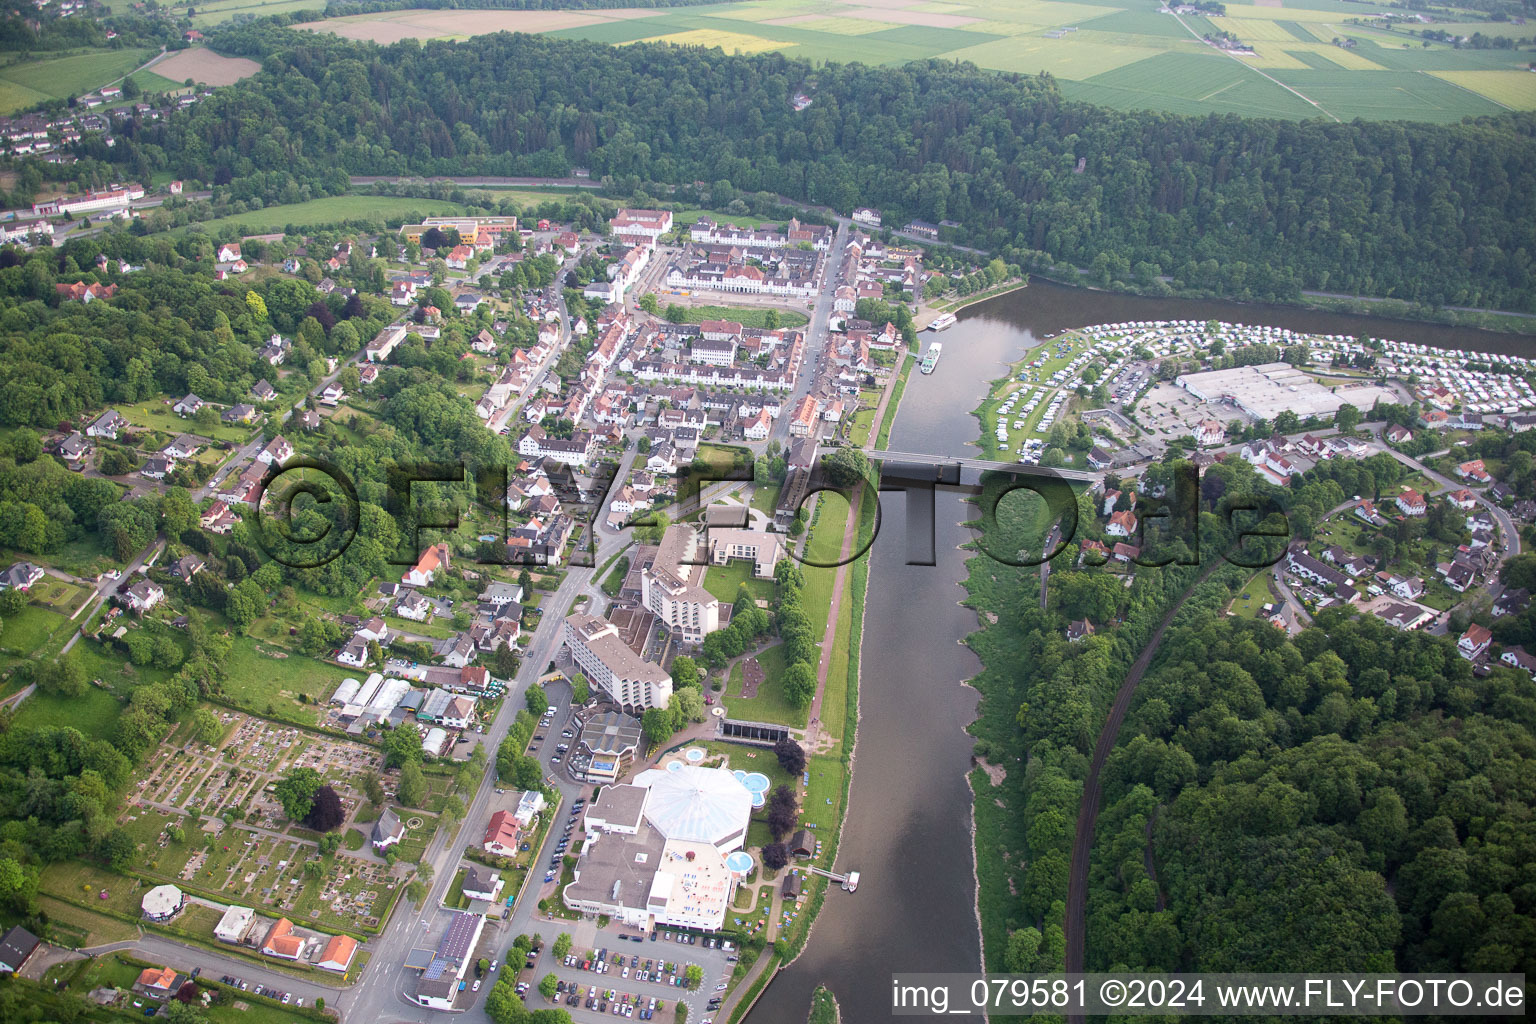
610,664
655,851
673,586
116,198
641,225
763,549
1265,390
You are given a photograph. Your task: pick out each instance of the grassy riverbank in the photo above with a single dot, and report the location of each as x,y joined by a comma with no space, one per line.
955,305
888,420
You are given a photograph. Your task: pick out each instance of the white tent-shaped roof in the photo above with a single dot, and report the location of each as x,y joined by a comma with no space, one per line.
696,804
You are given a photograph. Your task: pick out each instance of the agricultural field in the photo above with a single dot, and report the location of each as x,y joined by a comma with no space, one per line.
1120,53
25,83
204,66
224,10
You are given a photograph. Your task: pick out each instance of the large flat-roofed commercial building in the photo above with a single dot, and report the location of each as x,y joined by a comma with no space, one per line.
658,856
1268,389
628,679
673,587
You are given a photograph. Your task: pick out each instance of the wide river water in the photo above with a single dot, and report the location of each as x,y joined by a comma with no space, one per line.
908,826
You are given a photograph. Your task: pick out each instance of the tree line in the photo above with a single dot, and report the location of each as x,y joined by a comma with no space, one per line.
1246,207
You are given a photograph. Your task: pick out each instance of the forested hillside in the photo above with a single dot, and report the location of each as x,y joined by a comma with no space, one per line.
1350,799
1353,800
1247,208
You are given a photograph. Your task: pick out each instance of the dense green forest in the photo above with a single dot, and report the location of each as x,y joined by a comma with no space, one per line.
1243,207
1350,799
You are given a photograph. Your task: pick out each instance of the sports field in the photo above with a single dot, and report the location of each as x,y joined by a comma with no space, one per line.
1120,53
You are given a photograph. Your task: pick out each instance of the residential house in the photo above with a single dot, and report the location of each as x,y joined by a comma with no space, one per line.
1399,434
1209,433
282,942
107,425
16,948
276,452
1474,471
241,413
482,884
142,596
1517,657
501,835
1079,629
338,953
1513,601
1412,503
413,606
75,449
187,566
373,629
263,390
183,447
434,558
1474,642
158,982
457,651
157,467
355,653
1121,524
218,519
20,576
188,406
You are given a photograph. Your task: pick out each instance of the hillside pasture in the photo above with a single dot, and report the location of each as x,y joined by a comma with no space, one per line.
24,83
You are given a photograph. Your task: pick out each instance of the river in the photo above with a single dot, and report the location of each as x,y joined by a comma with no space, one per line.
908,825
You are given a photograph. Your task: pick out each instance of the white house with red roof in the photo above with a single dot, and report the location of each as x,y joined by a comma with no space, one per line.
420,575
1474,642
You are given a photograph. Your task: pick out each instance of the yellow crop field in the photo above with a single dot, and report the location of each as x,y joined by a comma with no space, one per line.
1252,30
730,42
1272,57
1513,89
1353,60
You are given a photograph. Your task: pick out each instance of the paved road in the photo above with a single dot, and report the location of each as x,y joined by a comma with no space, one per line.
184,957
381,995
816,330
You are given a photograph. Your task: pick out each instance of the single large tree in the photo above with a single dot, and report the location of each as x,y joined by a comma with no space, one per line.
783,812
326,812
296,792
791,755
